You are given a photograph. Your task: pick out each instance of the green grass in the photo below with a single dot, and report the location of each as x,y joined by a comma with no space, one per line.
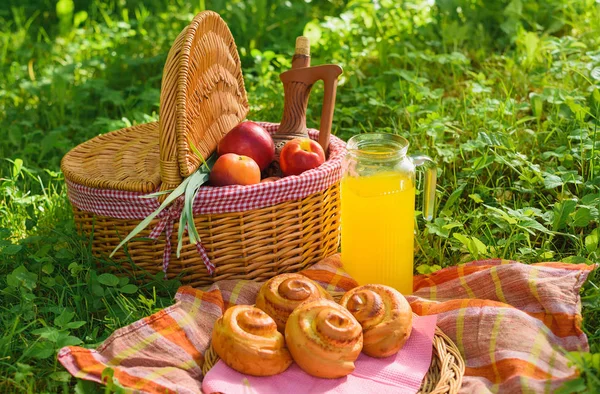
505,95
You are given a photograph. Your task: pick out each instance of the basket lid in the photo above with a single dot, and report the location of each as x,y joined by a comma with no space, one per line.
202,95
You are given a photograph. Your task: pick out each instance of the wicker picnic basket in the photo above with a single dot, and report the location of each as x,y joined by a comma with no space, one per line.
252,232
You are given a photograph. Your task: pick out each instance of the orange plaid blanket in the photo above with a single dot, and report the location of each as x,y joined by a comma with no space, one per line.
512,322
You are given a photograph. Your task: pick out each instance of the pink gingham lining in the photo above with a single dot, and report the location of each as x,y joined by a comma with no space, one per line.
211,200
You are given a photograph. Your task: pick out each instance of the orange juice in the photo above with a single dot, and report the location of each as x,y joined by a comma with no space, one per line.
378,229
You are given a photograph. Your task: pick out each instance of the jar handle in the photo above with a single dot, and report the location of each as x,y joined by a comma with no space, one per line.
427,164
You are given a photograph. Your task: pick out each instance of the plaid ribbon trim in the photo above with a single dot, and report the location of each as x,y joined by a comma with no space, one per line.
211,200
168,218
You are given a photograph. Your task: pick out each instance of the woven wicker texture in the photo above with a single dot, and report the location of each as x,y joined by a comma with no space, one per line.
447,367
202,96
444,375
125,159
256,244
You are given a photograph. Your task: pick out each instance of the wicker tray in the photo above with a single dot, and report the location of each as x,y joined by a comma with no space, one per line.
445,372
443,377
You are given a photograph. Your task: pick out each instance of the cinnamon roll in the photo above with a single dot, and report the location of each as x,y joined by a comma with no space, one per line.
385,316
280,295
324,338
247,340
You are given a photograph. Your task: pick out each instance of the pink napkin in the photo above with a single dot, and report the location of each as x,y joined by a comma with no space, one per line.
399,374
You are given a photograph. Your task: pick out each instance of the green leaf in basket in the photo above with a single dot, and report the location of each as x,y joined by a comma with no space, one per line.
156,194
197,153
210,162
189,205
188,187
179,190
197,179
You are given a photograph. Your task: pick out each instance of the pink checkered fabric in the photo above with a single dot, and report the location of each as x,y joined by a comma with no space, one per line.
243,198
211,200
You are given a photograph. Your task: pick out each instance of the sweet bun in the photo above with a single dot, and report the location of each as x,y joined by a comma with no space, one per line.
324,338
385,316
280,295
247,340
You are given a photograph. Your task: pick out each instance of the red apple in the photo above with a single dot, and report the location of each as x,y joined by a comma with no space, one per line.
232,169
249,139
299,155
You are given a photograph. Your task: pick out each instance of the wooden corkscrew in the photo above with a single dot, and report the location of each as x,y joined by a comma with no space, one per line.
297,84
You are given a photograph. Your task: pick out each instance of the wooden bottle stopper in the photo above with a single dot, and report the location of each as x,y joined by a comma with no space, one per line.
302,53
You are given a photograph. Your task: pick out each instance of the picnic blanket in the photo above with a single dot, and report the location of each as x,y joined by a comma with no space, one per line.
512,323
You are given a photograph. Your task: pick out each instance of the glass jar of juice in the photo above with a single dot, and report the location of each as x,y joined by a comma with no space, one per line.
378,209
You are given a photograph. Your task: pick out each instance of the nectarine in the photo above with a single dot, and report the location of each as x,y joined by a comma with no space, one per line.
232,169
299,155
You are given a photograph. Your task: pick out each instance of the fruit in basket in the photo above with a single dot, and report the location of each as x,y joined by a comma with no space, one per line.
249,139
324,338
280,295
385,316
247,340
299,155
232,169
270,179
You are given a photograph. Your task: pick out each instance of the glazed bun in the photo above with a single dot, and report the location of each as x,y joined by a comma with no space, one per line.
280,295
247,340
324,338
385,317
